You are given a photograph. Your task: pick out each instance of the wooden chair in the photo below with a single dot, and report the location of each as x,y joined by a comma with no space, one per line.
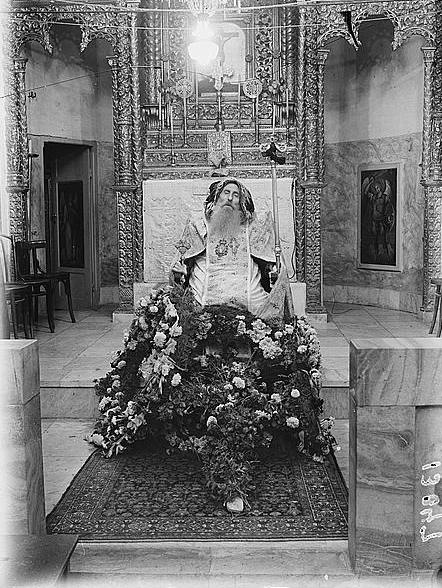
39,285
29,267
437,309
18,295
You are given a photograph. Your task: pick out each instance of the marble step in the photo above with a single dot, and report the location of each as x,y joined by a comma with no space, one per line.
419,580
201,559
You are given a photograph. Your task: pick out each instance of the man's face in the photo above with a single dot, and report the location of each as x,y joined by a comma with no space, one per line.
229,197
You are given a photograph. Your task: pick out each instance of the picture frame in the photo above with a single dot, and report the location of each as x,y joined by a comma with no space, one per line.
379,245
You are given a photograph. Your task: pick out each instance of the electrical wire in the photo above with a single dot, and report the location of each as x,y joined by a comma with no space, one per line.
222,10
169,28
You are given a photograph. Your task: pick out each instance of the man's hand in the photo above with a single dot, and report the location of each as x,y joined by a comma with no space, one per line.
179,272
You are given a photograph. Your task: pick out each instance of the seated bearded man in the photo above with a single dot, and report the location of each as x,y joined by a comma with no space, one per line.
227,256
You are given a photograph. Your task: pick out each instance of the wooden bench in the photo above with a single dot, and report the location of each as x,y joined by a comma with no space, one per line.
37,560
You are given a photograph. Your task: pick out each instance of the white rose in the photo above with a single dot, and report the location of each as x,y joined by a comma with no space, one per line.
292,422
142,302
275,397
238,382
176,380
295,393
302,349
159,339
289,329
278,335
153,308
176,331
165,369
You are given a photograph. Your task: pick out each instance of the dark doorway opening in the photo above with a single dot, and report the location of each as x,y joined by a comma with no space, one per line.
69,198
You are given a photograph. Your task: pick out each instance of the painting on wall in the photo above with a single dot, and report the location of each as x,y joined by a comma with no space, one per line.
379,216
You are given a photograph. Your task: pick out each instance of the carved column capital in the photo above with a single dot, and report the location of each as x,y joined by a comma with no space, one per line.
322,56
428,53
19,64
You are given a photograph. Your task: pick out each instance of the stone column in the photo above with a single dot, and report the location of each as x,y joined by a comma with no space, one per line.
123,169
17,149
432,163
22,501
136,146
432,213
428,56
395,403
313,185
322,58
299,142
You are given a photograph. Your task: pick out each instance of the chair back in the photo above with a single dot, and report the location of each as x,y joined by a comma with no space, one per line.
7,258
27,261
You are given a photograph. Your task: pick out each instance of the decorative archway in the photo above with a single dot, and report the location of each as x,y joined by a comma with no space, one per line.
117,25
318,25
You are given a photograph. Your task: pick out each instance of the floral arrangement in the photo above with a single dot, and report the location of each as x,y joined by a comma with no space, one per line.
215,381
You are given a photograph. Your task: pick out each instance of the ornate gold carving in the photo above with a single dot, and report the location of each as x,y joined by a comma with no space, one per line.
264,47
136,146
300,150
17,148
436,148
411,18
428,55
313,273
311,108
322,57
288,50
432,240
34,24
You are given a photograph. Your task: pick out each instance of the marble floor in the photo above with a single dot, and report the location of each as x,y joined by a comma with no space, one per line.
78,353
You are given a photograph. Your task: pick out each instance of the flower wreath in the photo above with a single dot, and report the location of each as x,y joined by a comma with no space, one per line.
216,381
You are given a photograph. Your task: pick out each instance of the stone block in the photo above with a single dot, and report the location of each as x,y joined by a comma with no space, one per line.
22,500
21,372
395,416
396,372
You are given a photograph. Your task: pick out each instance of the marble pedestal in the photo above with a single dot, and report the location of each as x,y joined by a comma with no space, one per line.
395,519
22,488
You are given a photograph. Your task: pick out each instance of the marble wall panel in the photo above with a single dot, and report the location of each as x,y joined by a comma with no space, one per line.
396,372
382,471
169,203
342,278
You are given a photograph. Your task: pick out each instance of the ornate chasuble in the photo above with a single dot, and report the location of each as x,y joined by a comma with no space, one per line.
227,274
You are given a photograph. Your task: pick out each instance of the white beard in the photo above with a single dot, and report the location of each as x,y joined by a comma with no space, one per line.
225,222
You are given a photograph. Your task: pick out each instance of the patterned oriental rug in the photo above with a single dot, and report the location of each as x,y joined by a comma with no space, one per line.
145,494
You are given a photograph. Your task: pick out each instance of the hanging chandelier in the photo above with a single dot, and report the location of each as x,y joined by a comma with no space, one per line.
208,7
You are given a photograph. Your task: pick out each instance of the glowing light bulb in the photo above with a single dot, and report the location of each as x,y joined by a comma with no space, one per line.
203,49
